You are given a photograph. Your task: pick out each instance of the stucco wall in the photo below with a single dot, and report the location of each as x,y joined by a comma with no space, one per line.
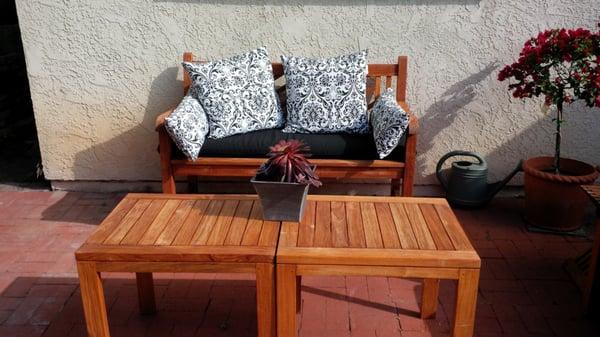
100,71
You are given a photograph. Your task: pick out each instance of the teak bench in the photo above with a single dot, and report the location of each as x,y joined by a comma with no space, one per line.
399,172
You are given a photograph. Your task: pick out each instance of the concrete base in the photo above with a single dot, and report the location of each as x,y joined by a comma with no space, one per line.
243,186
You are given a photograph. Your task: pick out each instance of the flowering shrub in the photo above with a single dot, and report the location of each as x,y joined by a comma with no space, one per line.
562,65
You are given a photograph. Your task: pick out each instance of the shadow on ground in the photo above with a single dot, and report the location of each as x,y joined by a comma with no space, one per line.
523,290
198,305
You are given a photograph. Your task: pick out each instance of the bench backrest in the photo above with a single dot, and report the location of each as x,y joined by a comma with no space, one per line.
379,76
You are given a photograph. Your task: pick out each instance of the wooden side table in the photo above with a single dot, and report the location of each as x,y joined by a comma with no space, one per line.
149,233
378,236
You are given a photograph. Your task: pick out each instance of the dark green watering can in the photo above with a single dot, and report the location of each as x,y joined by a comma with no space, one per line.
466,181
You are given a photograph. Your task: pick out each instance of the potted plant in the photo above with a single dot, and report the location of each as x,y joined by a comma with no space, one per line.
282,181
561,65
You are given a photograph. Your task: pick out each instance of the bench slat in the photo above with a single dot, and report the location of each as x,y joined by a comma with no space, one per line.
256,162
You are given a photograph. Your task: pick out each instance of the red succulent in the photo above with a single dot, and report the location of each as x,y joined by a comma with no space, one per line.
287,163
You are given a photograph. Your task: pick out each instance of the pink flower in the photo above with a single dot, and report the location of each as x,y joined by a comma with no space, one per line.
568,58
504,73
579,33
555,62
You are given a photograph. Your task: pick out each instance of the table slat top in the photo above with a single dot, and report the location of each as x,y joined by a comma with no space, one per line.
334,230
148,227
377,231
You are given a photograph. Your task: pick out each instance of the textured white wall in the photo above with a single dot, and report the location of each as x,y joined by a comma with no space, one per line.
100,71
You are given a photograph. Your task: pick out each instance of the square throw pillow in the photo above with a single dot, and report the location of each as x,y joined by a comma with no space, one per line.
389,122
326,95
237,93
188,126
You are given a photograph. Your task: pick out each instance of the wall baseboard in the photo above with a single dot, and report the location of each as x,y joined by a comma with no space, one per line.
243,186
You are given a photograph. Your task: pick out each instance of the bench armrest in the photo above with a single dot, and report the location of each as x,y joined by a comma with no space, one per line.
413,122
160,119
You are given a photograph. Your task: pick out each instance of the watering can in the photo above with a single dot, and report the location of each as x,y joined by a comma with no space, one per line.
466,182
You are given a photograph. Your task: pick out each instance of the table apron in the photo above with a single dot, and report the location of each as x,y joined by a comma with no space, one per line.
175,267
384,271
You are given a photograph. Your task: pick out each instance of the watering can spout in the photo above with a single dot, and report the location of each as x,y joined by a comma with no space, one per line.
496,187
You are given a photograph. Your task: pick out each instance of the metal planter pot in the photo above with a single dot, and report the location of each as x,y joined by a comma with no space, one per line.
281,201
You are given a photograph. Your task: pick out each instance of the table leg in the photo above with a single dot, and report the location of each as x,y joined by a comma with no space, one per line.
298,293
466,302
429,297
265,300
286,300
92,297
145,286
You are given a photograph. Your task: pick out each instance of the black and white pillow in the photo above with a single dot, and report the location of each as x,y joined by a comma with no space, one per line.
326,95
188,126
237,93
389,122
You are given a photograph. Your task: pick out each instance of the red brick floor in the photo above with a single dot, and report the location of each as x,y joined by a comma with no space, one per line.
524,290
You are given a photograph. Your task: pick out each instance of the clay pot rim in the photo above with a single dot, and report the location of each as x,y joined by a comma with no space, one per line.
533,166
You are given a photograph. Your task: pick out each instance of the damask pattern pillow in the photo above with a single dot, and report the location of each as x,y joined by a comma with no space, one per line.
188,126
326,95
237,93
389,122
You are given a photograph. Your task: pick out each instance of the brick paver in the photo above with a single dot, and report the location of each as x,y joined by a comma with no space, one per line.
524,290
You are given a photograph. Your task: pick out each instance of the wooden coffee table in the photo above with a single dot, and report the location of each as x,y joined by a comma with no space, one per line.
378,236
149,233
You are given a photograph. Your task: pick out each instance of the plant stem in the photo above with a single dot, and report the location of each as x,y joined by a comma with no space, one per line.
559,116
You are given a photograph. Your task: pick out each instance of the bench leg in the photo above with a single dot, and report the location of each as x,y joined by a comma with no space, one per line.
429,297
265,300
410,161
166,170
145,286
92,297
298,293
466,302
168,184
286,300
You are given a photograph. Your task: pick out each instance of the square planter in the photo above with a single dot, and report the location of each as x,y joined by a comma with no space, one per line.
281,201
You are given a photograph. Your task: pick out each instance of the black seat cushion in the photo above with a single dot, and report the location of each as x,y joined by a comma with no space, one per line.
326,146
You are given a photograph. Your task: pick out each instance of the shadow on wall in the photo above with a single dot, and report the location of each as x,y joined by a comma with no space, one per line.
447,108
578,139
326,3
136,145
537,139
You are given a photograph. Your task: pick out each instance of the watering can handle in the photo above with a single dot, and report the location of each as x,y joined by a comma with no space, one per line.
438,168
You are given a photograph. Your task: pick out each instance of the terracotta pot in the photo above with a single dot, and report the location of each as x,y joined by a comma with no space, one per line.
556,202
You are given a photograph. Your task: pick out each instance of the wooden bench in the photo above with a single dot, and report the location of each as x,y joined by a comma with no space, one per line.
380,76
